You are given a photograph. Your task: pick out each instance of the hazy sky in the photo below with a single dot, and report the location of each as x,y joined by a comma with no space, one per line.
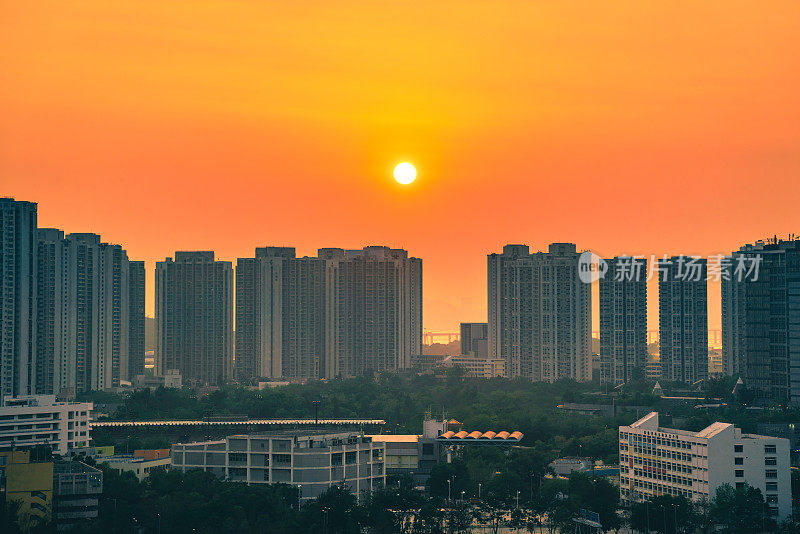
626,127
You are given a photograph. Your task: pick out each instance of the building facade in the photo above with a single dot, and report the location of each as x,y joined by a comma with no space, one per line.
39,420
83,312
477,367
475,339
761,318
311,461
683,318
342,313
17,297
666,461
136,318
280,315
623,320
194,317
540,313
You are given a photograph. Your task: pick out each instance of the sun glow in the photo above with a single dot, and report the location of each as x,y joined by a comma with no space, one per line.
405,173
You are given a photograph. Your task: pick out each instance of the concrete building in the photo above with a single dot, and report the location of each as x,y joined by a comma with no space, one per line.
280,315
17,298
540,313
475,339
657,461
83,313
40,420
136,318
312,461
373,310
194,317
28,481
623,320
76,493
683,318
343,313
761,319
139,466
477,367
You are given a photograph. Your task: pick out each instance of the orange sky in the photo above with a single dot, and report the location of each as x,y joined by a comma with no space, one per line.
626,127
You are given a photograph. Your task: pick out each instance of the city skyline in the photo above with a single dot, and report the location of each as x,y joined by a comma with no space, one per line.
555,117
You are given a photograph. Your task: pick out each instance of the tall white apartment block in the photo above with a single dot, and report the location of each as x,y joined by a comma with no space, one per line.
17,297
540,313
32,420
82,312
342,313
194,317
657,461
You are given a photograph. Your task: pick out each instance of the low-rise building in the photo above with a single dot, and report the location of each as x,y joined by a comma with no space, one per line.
312,461
140,463
41,420
76,489
475,367
657,461
29,482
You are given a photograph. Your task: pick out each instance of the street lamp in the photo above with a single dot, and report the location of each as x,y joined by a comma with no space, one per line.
517,499
299,495
479,491
462,496
448,490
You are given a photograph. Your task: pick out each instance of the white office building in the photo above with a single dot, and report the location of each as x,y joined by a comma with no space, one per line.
40,420
312,461
657,461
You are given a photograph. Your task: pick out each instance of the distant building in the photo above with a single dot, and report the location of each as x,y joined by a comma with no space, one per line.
623,320
82,312
40,420
683,318
136,317
761,318
342,313
653,368
311,461
194,317
540,313
716,365
475,339
17,298
477,367
666,461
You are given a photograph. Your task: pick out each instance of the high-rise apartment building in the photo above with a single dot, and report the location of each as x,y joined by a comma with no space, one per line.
136,318
83,313
761,318
373,310
280,315
683,318
342,313
17,297
666,461
623,320
475,339
540,313
194,317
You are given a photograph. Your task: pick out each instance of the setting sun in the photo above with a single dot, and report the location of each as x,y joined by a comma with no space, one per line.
405,173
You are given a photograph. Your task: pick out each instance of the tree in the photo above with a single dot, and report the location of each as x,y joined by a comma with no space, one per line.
740,510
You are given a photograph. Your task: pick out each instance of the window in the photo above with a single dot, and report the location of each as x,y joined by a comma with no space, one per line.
772,498
281,459
769,449
739,485
770,460
427,449
738,448
350,457
772,486
234,457
738,461
739,473
771,473
336,458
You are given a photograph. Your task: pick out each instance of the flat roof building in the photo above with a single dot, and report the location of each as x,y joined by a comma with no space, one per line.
666,461
312,461
40,420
